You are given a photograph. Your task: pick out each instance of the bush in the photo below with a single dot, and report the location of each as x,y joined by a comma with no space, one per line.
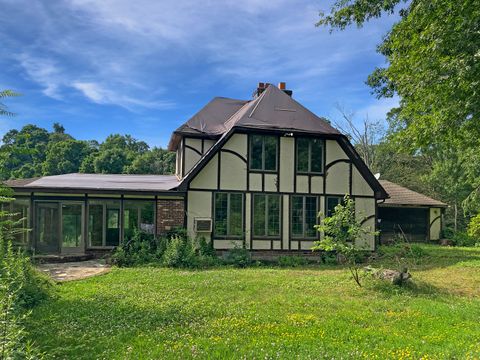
292,261
142,248
21,288
473,229
239,257
463,239
176,250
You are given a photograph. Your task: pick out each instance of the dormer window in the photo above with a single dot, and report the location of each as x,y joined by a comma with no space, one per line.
263,152
309,155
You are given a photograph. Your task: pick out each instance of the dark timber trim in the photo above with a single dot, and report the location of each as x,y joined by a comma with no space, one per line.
234,153
330,164
193,149
373,216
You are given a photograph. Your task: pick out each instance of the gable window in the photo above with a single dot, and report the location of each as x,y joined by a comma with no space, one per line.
333,201
228,215
266,215
309,155
304,213
263,152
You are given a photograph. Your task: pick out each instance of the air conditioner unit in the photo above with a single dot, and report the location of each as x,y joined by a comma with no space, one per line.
202,225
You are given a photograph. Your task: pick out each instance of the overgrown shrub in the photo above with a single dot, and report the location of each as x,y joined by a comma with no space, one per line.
21,288
175,250
292,261
238,257
463,239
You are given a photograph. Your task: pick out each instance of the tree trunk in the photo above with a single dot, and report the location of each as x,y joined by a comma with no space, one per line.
455,216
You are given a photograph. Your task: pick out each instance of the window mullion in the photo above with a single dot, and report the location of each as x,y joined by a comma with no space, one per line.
228,215
309,156
266,215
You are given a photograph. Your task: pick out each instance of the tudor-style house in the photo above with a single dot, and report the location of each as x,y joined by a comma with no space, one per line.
249,173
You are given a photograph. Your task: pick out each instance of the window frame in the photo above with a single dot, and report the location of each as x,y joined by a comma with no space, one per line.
304,202
266,213
251,153
322,161
227,235
340,201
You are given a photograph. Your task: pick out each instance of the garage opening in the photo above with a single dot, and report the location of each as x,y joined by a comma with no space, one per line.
396,221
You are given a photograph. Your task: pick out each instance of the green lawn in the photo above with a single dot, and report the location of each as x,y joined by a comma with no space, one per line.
314,312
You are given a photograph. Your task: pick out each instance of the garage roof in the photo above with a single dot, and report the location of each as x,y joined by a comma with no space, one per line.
98,182
400,195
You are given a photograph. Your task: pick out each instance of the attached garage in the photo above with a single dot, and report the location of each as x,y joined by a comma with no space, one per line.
408,214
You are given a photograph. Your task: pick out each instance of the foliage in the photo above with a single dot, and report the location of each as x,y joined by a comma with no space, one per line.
21,288
474,227
174,250
292,261
227,313
141,249
344,233
3,95
34,151
238,257
461,238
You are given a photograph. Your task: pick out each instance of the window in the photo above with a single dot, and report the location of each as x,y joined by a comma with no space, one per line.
309,155
263,152
333,201
304,216
228,215
138,215
266,215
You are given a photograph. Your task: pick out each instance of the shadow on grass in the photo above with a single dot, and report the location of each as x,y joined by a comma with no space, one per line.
426,256
413,288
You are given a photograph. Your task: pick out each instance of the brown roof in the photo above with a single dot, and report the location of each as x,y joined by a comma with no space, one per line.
99,182
400,195
273,109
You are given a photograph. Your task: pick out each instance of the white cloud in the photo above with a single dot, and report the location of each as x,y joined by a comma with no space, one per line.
101,95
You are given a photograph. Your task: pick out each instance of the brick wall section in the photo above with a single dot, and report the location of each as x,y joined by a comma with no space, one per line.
170,215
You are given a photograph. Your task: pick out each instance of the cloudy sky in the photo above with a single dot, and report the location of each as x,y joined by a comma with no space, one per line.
144,67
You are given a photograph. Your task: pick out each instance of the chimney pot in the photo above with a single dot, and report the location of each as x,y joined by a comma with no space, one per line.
282,85
261,85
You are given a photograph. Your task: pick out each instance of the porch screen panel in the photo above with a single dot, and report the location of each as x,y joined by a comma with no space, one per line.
138,215
95,224
21,211
71,225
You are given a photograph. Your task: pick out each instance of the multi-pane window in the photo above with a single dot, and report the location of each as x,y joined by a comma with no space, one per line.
332,201
309,155
266,215
263,152
304,216
228,215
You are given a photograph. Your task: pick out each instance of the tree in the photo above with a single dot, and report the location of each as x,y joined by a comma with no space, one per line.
433,66
3,95
364,136
344,233
111,161
65,157
156,161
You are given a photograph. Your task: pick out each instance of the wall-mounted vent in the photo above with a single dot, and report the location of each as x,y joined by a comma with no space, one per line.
202,225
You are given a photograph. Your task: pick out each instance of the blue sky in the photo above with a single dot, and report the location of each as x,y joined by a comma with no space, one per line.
144,67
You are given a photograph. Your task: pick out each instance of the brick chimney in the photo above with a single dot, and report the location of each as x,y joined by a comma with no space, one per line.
262,86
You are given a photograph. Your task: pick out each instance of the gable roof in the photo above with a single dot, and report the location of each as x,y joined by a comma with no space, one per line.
272,110
400,195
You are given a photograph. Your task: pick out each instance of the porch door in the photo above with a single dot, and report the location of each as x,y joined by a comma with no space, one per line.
71,229
47,232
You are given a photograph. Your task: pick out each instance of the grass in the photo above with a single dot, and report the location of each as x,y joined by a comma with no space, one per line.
312,312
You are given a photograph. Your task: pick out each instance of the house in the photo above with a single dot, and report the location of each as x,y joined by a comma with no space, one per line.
249,173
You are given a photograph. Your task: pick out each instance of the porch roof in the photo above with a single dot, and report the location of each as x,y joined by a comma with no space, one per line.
98,182
402,196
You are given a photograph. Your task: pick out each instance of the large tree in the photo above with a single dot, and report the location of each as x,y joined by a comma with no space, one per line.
433,55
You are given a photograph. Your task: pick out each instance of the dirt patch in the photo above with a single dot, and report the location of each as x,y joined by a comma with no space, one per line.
74,270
